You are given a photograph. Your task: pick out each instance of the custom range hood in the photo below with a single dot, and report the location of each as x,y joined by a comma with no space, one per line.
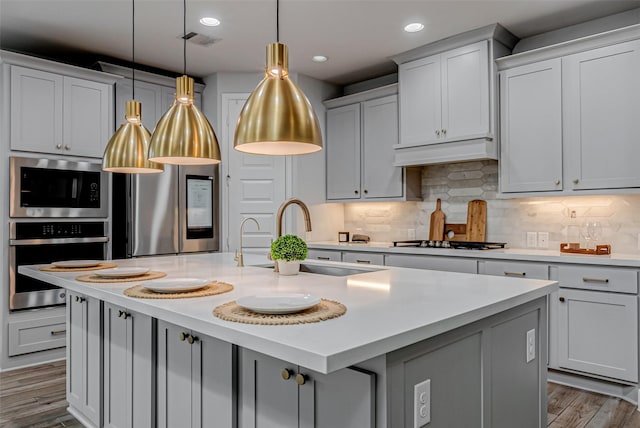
448,104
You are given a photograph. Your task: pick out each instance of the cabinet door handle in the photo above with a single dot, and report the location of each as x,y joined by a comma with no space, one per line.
67,147
364,261
58,146
301,379
183,336
562,299
506,273
58,332
356,192
323,258
286,374
557,182
191,339
80,299
366,191
576,181
123,314
600,280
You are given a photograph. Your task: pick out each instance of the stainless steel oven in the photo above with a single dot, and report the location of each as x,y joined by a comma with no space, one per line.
56,188
45,242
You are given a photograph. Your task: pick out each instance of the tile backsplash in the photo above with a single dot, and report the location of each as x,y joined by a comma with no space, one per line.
508,220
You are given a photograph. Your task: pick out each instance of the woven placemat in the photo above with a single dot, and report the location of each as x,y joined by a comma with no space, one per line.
77,269
324,310
215,287
92,277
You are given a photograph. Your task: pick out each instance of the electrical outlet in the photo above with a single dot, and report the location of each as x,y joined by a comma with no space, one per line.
543,239
532,239
531,345
422,403
411,234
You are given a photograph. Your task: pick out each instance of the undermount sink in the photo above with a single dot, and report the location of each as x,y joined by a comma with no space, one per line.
328,270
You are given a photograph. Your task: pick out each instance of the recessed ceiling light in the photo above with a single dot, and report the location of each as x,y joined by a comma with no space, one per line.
319,58
413,27
209,21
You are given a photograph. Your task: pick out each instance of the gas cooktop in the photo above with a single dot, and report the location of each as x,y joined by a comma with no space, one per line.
462,245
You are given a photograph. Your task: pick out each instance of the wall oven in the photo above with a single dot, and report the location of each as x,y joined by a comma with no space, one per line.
46,242
56,188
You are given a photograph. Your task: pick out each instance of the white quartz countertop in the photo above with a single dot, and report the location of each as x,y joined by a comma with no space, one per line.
548,256
386,309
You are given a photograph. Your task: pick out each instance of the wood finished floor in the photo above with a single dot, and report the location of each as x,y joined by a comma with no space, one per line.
35,397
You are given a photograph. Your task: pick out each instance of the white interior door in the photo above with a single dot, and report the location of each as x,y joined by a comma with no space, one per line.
255,186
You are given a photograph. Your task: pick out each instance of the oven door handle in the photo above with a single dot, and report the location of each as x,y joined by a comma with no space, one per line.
18,242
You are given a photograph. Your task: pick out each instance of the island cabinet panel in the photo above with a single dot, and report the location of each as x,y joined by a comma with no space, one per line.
195,386
276,394
598,333
443,263
129,368
488,356
84,358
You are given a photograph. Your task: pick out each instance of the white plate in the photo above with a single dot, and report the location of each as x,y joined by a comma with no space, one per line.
77,263
123,272
175,285
278,303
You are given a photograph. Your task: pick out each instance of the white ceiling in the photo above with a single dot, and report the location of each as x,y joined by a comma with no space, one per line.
358,36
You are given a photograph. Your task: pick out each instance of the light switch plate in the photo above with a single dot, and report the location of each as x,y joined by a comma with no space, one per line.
531,345
532,239
422,403
543,239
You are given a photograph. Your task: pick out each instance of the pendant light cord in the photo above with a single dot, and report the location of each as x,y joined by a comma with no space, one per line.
184,35
133,49
278,21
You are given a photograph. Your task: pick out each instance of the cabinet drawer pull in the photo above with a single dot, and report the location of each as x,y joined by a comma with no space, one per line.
366,262
286,374
191,339
68,147
323,258
58,332
80,299
507,273
576,181
355,191
366,191
58,146
183,336
562,299
600,280
301,379
557,182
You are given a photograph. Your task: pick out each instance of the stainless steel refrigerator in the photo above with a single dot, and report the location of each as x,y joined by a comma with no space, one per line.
169,213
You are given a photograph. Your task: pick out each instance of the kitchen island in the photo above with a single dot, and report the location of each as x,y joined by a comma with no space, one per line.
479,341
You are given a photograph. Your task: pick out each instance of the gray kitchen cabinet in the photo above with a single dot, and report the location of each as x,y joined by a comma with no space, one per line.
567,117
361,132
445,97
328,255
195,385
33,335
598,333
513,269
74,115
129,369
276,394
531,127
443,263
363,258
84,358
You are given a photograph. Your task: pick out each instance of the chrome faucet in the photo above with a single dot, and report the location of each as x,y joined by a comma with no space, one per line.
305,213
239,257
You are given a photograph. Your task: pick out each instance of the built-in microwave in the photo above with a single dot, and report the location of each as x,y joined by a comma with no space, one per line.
56,188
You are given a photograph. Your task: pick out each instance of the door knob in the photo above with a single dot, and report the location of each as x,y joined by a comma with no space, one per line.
444,132
58,146
356,192
576,181
286,374
562,299
557,182
182,336
191,339
366,191
68,147
301,379
438,132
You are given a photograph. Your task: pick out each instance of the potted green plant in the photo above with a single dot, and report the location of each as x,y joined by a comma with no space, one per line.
288,251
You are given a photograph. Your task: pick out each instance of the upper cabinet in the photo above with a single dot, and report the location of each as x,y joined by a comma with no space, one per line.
447,98
58,112
361,132
568,117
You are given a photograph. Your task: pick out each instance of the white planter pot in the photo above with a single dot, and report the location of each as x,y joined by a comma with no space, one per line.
289,268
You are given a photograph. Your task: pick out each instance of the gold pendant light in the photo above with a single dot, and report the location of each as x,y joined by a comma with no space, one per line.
184,136
126,151
277,118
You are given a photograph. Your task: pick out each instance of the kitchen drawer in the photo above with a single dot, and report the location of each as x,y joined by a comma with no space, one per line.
37,335
334,256
514,269
447,264
363,258
598,278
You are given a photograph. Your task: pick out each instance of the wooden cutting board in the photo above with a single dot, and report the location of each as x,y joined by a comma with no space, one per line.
477,220
436,225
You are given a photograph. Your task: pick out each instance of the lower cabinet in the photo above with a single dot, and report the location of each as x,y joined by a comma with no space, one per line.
84,358
447,264
363,258
129,368
277,394
328,255
194,380
598,333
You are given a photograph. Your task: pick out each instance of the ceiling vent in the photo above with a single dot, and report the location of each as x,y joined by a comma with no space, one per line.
199,39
